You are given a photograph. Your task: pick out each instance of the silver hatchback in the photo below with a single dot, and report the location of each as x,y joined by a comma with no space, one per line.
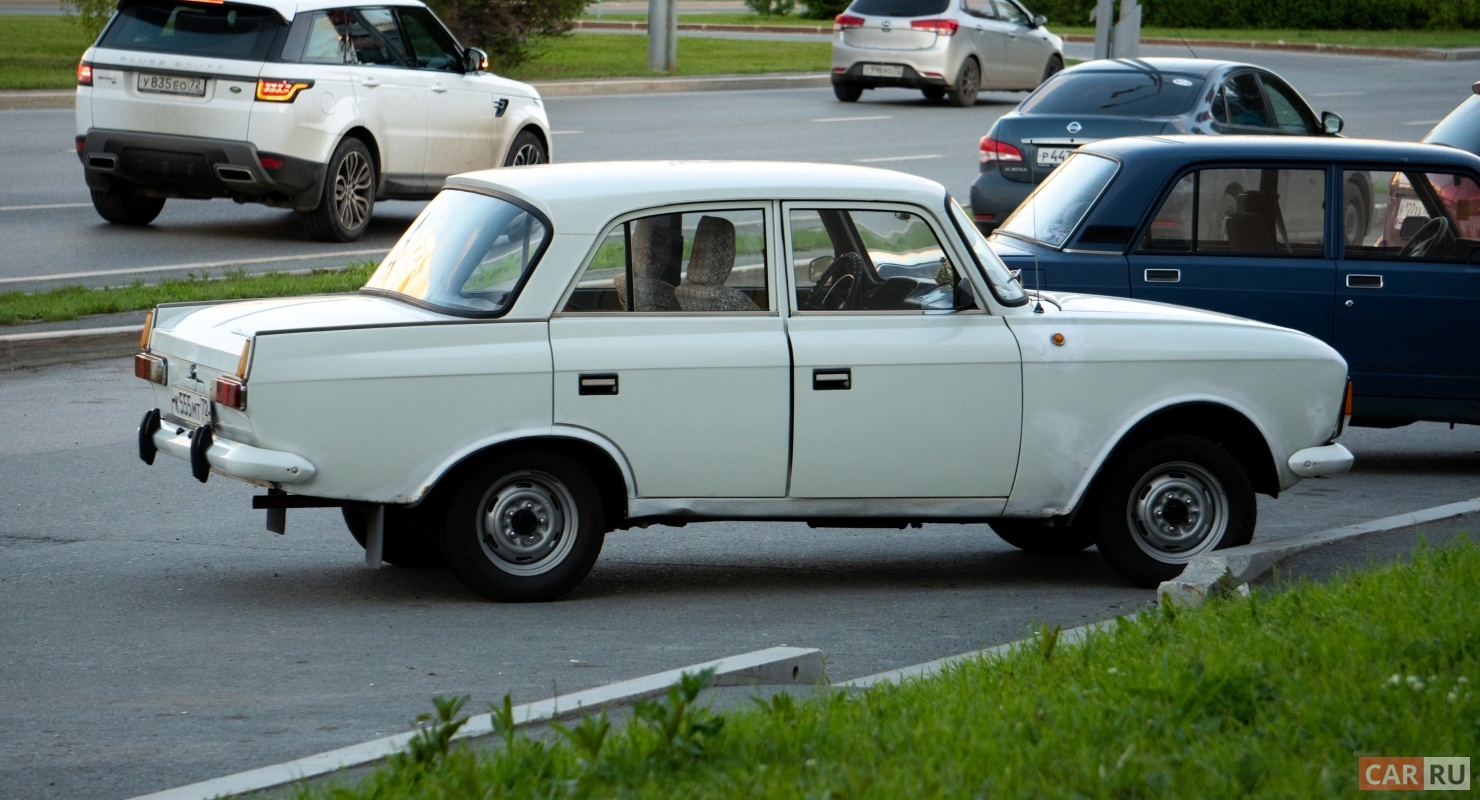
953,48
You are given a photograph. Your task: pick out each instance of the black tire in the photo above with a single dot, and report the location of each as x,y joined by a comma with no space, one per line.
1355,215
124,206
847,92
968,84
548,527
348,196
527,149
1032,536
410,538
1054,66
934,93
1169,500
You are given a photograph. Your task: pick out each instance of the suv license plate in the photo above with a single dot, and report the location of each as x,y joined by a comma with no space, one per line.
1053,156
193,407
171,84
883,71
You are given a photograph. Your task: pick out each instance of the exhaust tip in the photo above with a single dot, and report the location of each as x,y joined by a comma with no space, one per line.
102,161
235,175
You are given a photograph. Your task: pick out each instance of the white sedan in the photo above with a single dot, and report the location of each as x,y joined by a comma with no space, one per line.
554,352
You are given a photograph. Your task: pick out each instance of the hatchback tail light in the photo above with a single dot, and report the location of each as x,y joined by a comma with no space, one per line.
940,27
845,21
993,151
84,74
229,392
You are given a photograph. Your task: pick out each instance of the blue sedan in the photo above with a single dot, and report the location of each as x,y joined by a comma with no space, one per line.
1287,230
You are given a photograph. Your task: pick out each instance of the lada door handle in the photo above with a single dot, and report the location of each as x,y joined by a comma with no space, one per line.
1163,276
1363,281
602,383
825,380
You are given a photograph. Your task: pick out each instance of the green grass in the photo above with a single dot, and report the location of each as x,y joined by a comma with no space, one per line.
596,55
1268,696
39,52
722,19
71,302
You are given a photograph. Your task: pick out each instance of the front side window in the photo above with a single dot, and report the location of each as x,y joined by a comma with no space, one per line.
467,253
225,30
1055,208
1239,102
376,39
1249,211
866,260
1410,215
432,47
1290,112
694,261
1011,13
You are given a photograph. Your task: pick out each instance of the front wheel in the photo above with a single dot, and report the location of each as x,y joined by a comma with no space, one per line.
123,206
847,92
968,83
348,196
1169,500
524,528
526,149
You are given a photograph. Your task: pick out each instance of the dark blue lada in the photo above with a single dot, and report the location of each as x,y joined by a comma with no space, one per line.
1292,231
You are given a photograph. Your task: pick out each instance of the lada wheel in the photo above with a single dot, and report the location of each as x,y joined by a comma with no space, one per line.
1170,500
526,149
409,538
1032,536
968,83
123,206
524,528
349,195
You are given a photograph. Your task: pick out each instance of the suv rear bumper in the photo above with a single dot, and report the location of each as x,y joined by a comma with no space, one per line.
197,167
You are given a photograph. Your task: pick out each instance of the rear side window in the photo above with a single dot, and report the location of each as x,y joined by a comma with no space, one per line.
900,8
227,30
1117,94
1461,128
1248,211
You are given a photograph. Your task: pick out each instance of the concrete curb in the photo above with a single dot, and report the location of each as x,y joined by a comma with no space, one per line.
1252,561
795,666
18,350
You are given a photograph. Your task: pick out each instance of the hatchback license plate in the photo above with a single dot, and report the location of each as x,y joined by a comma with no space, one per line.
1053,156
172,84
883,71
192,407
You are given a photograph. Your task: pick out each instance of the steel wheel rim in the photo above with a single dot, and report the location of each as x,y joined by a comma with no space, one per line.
1176,511
528,154
352,190
527,523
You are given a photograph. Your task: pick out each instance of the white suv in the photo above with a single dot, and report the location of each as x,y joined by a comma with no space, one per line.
317,106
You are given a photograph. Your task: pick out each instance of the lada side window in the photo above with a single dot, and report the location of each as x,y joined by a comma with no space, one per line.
1411,214
1242,212
695,261
860,260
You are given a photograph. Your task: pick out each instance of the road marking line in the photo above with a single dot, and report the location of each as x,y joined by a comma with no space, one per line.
852,119
198,265
564,133
45,207
896,158
1423,122
1337,94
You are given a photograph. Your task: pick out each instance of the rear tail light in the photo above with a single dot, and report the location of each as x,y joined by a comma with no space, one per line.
229,392
84,74
845,21
150,368
940,27
274,90
993,150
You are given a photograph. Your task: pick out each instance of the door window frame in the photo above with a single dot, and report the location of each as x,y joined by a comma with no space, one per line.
1331,224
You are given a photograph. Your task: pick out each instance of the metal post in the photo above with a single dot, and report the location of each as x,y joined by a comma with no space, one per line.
662,35
1104,26
1126,43
671,65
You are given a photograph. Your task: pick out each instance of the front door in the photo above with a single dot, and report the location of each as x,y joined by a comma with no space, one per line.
896,395
464,117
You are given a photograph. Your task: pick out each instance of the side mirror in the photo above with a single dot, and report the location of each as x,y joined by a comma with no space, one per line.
965,299
1039,20
817,267
1331,124
475,60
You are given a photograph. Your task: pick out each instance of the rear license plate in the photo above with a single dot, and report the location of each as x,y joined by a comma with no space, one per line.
1053,156
1411,207
883,71
192,407
172,84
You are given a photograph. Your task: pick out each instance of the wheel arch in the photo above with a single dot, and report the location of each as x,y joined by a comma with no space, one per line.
368,139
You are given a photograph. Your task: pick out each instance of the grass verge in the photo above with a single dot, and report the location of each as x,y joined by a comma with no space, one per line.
1264,696
1457,38
71,302
39,52
723,19
598,55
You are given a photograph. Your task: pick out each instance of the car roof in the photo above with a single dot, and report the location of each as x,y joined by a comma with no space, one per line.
1201,67
1186,149
584,197
287,8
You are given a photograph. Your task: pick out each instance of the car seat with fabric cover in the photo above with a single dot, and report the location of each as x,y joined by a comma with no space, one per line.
710,263
1251,226
653,248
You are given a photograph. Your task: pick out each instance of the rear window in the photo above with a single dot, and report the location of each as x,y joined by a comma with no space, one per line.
899,8
222,31
1115,94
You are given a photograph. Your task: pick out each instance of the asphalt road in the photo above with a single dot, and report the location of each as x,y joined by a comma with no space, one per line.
50,229
154,633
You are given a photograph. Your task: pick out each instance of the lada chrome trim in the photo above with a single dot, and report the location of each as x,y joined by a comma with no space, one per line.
237,460
801,508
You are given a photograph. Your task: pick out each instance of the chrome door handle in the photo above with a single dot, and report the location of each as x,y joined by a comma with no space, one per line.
825,380
1163,276
602,383
1355,281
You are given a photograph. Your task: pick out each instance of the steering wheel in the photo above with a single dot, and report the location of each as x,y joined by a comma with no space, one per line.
1434,232
841,286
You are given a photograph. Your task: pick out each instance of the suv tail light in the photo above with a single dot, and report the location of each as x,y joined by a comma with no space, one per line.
274,90
940,27
229,392
993,151
84,73
845,21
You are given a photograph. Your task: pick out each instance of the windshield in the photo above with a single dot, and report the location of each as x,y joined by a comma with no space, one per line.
223,30
467,253
1054,209
999,277
1115,94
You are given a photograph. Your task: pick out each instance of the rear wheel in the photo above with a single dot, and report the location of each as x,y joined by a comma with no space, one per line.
1033,536
124,206
409,538
968,83
348,197
526,149
933,93
847,92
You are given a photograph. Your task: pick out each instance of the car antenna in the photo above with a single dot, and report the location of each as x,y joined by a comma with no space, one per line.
1037,293
1184,42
